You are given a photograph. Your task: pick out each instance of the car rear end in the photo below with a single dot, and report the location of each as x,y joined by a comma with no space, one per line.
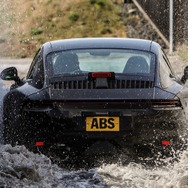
117,116
112,96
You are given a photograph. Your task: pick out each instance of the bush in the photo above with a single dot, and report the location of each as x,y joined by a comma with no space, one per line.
102,3
73,16
36,31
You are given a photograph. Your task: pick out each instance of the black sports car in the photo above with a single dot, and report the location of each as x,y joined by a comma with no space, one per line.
96,92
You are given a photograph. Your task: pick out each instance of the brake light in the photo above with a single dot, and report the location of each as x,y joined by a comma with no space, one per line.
39,144
165,143
167,103
171,102
101,74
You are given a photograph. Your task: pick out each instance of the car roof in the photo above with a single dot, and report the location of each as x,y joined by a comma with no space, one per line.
84,43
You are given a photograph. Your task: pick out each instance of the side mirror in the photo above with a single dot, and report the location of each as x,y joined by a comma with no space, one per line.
186,71
10,73
185,75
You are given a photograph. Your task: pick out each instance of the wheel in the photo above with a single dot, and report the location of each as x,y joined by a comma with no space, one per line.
12,133
17,131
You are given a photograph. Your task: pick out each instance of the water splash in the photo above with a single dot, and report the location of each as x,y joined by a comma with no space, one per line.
136,175
21,168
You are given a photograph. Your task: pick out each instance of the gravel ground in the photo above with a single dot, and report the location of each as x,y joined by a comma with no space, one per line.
137,26
177,63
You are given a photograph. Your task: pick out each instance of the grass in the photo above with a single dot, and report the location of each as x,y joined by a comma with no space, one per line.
31,23
99,2
73,16
36,31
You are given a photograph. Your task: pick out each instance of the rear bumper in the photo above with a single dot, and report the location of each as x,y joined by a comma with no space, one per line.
137,126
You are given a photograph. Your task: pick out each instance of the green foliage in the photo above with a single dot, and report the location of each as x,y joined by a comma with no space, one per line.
73,16
36,31
102,3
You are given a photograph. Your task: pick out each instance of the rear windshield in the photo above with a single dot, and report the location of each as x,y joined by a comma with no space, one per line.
120,61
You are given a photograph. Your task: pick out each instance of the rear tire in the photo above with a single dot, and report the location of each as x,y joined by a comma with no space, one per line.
17,131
